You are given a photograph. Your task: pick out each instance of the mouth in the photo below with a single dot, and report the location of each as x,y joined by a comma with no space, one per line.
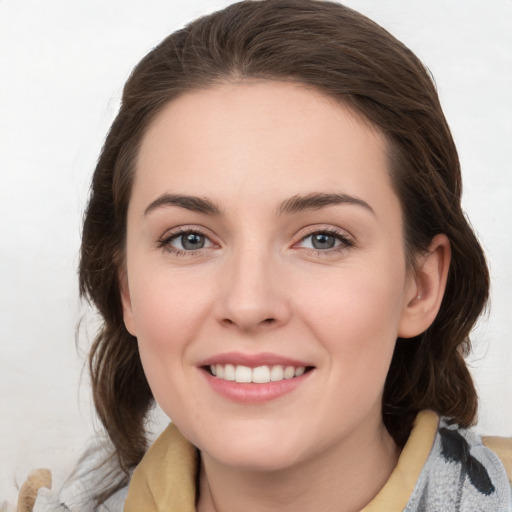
257,375
254,378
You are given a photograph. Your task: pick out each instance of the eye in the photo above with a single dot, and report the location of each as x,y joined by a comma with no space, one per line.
189,241
185,242
322,241
326,240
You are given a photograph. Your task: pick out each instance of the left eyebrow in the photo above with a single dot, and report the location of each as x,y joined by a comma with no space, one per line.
193,203
315,201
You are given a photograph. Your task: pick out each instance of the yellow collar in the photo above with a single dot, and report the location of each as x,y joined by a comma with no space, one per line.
165,479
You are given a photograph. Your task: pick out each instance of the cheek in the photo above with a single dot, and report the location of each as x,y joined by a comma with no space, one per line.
356,315
166,306
168,318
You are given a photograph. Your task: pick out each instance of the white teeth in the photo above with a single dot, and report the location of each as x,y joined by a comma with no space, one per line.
289,372
300,371
243,374
276,373
229,372
259,375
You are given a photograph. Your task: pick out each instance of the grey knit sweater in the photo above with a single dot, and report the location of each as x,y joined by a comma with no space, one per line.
460,475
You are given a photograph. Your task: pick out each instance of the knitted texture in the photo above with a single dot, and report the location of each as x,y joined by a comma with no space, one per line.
460,475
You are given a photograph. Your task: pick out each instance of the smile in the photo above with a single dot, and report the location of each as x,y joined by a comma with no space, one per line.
258,375
254,378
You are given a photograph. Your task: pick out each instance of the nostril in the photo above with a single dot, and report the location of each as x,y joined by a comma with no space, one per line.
249,318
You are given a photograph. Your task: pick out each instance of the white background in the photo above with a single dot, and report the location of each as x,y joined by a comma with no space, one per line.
62,67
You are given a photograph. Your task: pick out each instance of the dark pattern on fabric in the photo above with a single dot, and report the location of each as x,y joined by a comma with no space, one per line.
456,449
460,475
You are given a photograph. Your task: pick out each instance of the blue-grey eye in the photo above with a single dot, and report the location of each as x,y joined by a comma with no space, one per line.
323,241
189,241
192,241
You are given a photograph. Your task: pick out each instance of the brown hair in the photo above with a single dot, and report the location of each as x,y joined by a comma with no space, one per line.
347,57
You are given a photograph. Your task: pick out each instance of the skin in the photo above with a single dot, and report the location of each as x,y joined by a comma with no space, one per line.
258,285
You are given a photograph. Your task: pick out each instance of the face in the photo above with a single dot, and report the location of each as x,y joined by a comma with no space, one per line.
265,272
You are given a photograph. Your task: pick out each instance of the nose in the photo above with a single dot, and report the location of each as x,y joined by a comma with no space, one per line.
253,295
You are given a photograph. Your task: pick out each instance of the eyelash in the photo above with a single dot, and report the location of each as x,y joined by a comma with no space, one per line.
164,243
345,241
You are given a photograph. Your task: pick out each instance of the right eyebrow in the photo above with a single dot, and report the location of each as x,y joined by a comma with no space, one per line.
193,203
315,201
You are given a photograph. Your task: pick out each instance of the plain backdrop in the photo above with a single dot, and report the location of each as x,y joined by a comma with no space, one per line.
62,67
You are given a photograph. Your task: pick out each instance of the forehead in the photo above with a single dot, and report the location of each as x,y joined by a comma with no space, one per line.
240,140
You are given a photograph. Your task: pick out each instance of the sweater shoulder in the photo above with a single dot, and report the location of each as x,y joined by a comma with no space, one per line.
96,473
461,474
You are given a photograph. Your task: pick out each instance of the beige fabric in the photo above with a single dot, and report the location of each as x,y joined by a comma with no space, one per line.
28,492
502,447
395,494
165,479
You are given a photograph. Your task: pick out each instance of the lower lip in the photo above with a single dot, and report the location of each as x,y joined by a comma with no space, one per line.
251,393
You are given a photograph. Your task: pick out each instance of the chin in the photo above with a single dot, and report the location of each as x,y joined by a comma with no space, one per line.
256,460
261,452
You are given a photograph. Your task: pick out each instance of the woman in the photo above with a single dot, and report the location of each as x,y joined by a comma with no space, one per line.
275,242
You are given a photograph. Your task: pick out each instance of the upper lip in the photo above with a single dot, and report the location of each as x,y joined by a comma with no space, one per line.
252,360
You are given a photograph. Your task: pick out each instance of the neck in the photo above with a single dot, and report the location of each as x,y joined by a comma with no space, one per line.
344,478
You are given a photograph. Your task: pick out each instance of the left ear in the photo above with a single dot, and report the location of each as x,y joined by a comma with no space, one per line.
426,289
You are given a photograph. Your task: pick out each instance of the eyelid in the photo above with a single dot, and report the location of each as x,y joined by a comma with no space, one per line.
346,239
164,241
